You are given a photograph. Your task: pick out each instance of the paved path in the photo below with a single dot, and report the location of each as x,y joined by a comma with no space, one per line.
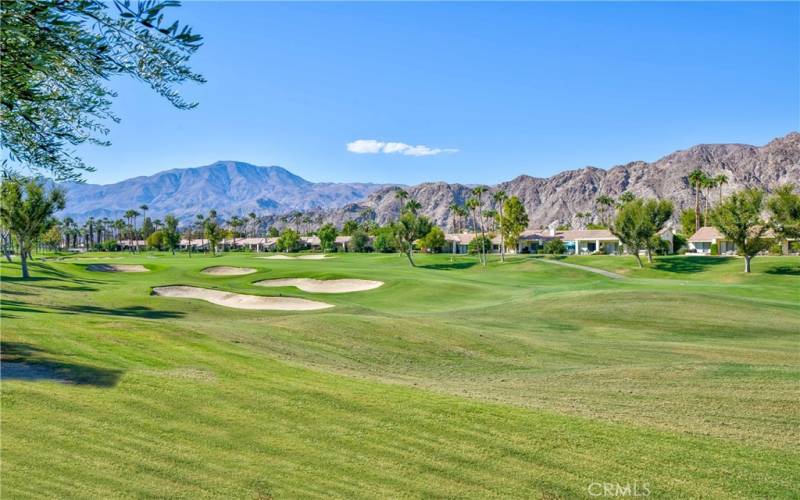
605,273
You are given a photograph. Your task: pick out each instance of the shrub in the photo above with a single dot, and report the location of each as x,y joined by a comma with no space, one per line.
555,247
110,246
359,241
156,240
776,249
679,242
385,241
714,249
474,246
434,240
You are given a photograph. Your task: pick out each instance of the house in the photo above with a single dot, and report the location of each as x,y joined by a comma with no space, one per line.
701,241
588,241
342,242
457,242
532,240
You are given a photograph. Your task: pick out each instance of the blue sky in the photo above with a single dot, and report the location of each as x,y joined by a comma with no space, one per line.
487,91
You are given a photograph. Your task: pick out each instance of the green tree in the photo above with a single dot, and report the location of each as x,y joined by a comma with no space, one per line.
555,247
784,206
408,229
213,231
384,240
57,59
288,240
500,198
738,217
434,240
156,240
657,214
514,221
359,241
52,238
478,191
172,238
26,212
604,203
688,220
147,227
719,181
273,232
327,237
633,228
626,197
349,227
696,179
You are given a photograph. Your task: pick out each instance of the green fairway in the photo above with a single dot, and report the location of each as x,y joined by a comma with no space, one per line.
523,379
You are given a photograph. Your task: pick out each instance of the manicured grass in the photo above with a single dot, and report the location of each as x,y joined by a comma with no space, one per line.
523,379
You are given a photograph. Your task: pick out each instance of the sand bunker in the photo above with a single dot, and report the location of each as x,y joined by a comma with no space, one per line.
323,286
238,300
228,271
117,268
315,256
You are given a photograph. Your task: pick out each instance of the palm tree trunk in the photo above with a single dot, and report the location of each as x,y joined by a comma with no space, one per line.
696,208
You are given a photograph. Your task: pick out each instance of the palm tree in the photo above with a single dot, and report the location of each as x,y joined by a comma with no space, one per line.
472,205
253,221
500,199
401,195
144,208
131,215
695,179
709,183
413,206
478,192
720,180
604,203
454,215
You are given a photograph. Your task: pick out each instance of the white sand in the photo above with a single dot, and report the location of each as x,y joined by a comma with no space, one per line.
228,271
117,268
324,286
240,301
315,256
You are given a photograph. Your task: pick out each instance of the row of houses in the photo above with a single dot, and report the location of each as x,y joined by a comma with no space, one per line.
707,237
577,242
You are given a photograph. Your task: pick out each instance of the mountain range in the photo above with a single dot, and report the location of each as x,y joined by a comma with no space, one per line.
239,188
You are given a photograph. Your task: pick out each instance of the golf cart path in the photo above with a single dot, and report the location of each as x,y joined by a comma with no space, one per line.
608,274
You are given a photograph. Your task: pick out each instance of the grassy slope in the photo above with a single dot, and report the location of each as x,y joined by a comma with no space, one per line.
524,379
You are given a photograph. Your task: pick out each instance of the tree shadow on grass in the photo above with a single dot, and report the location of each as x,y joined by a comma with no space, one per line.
449,266
41,272
788,270
22,361
130,311
688,264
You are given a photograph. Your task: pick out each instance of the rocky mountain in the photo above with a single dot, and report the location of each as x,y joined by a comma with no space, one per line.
239,188
560,197
230,187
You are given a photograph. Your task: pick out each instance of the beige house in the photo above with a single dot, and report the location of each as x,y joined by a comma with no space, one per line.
701,241
588,241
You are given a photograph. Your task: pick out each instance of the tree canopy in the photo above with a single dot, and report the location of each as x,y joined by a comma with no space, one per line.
57,59
738,217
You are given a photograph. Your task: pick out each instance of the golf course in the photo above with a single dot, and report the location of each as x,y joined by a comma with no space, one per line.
152,375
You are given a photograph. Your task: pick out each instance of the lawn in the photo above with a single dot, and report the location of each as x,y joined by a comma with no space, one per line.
523,379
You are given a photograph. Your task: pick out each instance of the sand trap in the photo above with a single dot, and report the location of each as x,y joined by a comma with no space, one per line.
238,300
316,256
117,268
323,286
228,271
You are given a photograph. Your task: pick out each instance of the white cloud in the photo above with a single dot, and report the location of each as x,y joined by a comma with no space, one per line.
371,146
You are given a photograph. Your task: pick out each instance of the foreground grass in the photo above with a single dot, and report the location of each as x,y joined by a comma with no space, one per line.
520,380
